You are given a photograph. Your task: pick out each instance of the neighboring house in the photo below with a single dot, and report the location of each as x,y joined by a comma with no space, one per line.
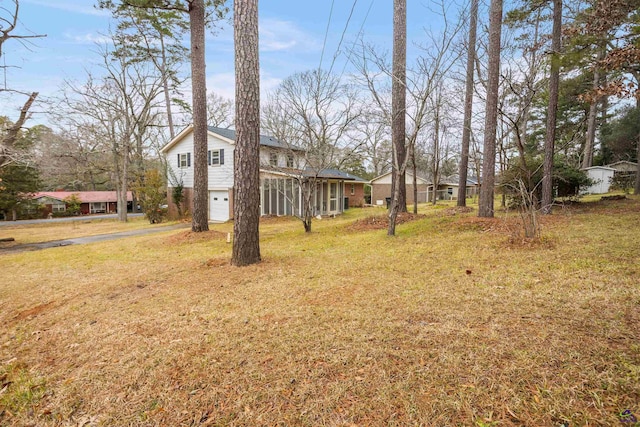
92,202
354,189
381,188
448,189
601,177
624,166
282,167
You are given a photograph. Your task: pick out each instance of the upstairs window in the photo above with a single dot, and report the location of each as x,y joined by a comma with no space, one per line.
215,157
289,160
273,159
184,160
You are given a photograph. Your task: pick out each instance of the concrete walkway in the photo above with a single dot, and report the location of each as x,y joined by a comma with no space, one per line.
90,239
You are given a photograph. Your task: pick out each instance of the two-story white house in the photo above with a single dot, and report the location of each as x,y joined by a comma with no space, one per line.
281,168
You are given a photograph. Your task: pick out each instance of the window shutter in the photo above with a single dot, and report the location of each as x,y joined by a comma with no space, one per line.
222,156
188,160
178,159
209,157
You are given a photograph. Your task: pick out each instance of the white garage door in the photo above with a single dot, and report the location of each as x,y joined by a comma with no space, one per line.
219,205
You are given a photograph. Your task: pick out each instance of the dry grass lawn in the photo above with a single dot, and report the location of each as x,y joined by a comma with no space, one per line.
454,322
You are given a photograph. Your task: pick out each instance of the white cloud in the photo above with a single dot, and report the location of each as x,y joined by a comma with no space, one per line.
88,38
70,6
267,84
222,84
275,36
278,35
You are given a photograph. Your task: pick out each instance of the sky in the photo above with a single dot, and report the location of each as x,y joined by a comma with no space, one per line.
292,39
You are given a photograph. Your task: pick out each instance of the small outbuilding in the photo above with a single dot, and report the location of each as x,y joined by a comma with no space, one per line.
601,177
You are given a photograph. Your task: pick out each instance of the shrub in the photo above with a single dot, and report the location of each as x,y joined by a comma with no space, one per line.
152,196
567,180
73,203
623,181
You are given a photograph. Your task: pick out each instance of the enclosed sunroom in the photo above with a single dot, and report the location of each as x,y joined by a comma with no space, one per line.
280,194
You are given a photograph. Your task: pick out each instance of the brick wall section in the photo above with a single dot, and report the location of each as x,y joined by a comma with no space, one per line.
231,203
356,200
187,202
381,191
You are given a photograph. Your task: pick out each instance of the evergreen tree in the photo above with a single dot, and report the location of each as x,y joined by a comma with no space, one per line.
18,182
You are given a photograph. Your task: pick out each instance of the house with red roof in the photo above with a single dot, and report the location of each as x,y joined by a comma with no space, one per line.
92,202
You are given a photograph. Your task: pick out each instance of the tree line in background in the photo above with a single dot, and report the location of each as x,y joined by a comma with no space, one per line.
528,97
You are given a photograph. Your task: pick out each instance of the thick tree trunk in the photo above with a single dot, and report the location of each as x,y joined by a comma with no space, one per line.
468,106
436,153
554,83
246,206
122,186
587,159
485,208
165,87
200,214
414,169
636,187
398,112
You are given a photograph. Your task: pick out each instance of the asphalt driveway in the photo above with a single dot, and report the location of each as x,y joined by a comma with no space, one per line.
90,239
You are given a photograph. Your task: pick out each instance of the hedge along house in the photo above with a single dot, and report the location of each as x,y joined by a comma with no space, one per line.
285,179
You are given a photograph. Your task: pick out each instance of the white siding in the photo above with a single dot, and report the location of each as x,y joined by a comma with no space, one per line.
601,176
185,174
221,176
386,179
265,153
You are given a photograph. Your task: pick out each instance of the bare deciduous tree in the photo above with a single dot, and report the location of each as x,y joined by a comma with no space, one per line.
372,136
8,23
118,109
220,111
314,113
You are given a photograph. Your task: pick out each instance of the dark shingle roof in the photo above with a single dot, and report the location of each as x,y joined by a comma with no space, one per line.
267,141
335,173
